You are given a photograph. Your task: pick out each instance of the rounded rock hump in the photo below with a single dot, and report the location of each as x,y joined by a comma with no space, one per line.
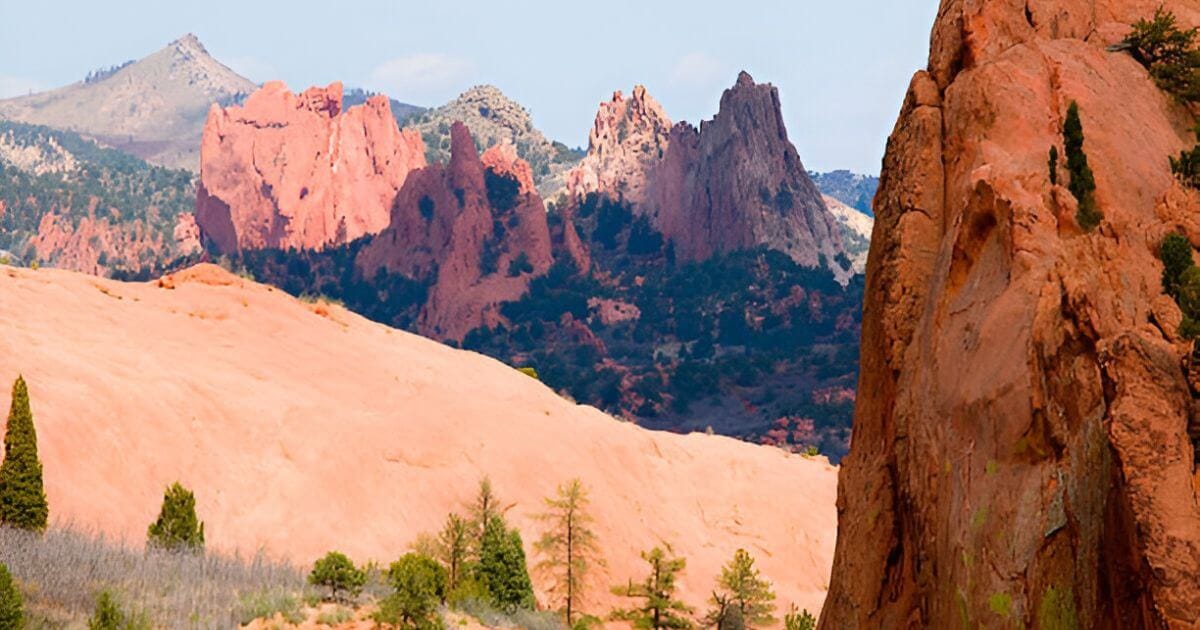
296,171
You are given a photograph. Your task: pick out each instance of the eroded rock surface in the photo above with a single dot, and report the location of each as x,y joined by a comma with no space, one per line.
1020,452
291,170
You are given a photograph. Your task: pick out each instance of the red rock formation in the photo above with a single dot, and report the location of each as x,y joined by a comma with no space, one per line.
629,136
738,183
1020,451
286,170
98,246
463,227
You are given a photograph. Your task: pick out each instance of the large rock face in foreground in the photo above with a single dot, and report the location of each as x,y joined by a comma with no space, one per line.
293,170
1020,454
304,428
473,229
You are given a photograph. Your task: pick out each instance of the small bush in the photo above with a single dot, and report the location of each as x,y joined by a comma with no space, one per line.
520,265
1053,164
265,604
109,616
1176,255
337,573
1186,167
11,608
177,527
799,619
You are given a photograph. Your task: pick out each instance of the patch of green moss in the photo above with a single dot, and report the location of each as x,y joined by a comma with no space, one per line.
1001,604
992,467
979,517
1057,610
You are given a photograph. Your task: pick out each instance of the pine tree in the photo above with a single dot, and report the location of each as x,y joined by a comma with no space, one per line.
11,610
660,609
743,594
1083,181
486,506
419,586
177,527
569,546
502,567
454,548
107,615
1176,255
22,497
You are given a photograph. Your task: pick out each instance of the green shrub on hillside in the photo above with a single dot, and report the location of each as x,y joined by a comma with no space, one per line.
22,496
419,585
177,527
109,616
743,598
337,573
1169,53
11,611
658,608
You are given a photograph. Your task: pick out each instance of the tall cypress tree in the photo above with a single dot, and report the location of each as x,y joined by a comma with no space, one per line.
1083,181
11,611
22,497
502,567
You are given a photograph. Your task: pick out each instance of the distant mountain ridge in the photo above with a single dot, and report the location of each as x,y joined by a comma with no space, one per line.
853,189
153,108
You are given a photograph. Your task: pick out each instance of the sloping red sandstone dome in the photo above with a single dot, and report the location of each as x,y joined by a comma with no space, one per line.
286,170
1020,451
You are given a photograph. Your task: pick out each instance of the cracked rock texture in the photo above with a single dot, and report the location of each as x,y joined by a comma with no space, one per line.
1020,454
291,170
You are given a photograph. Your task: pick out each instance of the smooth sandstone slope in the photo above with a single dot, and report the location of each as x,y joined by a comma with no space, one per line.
304,428
1021,452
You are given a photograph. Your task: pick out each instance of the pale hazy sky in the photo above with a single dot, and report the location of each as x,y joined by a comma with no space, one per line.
841,65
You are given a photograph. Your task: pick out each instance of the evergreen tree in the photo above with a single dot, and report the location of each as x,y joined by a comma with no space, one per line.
569,546
486,506
743,595
1083,181
659,609
1169,52
177,527
1176,255
419,585
22,497
337,573
1053,164
11,610
454,549
799,619
502,567
106,615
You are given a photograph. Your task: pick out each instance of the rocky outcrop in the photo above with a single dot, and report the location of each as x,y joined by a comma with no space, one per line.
738,183
295,171
1020,454
474,230
627,140
495,119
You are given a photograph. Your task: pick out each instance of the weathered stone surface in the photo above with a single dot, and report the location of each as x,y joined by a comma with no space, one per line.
286,170
736,183
629,137
454,227
1020,451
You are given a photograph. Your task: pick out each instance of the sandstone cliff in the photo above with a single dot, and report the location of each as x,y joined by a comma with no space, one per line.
474,229
1020,453
286,170
304,428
